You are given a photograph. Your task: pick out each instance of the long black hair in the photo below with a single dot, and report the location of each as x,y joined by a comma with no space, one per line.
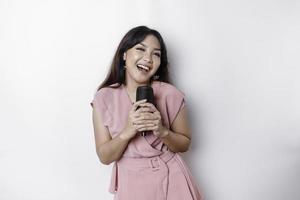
134,36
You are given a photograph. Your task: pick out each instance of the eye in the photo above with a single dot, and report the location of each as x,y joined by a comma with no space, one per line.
140,49
157,54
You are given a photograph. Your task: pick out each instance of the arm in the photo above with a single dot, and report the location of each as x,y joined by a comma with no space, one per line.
178,137
108,149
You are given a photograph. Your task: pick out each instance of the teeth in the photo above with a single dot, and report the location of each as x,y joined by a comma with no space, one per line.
144,67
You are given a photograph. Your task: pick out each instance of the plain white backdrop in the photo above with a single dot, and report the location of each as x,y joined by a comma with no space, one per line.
236,61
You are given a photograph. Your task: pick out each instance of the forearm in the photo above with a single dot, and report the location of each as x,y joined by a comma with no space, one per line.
176,142
113,149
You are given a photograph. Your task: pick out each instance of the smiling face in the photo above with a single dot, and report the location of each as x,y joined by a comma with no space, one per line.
142,60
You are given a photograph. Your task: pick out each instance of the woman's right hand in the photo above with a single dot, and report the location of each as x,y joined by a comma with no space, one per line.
135,116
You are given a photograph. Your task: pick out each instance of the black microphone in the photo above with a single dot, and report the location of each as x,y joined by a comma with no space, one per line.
145,92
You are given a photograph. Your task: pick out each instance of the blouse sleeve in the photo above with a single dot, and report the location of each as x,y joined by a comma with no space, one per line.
99,105
175,102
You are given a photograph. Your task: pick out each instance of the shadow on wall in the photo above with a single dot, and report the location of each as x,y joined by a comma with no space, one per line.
193,156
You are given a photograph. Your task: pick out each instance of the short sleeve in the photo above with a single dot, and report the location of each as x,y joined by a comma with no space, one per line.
175,102
98,103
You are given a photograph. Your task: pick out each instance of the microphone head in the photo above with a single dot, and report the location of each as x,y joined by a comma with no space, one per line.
145,92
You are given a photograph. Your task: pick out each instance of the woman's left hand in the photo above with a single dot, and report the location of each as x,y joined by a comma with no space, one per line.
158,129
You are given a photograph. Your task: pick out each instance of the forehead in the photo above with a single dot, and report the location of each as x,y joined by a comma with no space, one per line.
151,41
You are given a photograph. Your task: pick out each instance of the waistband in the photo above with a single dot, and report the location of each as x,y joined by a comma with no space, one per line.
151,162
165,157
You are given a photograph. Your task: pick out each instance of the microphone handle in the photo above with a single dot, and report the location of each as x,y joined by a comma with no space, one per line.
145,92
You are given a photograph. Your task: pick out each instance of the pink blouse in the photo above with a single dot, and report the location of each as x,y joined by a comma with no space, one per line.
147,169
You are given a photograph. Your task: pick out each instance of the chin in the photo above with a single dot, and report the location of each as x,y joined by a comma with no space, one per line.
142,81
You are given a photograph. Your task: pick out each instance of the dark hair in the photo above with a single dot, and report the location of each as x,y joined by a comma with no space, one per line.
133,37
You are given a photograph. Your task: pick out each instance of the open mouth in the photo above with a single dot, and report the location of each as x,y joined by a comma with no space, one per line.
143,68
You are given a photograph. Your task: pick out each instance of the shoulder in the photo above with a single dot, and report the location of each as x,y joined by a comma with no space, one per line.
166,89
107,92
169,100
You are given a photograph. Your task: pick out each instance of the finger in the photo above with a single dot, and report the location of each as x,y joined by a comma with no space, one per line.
149,105
138,122
148,120
151,128
135,115
136,104
143,127
146,116
144,109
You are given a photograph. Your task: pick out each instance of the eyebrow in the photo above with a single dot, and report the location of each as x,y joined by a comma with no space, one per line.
147,46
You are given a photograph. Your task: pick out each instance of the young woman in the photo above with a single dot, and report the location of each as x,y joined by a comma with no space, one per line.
146,166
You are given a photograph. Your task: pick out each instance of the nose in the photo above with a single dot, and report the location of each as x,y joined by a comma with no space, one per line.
147,57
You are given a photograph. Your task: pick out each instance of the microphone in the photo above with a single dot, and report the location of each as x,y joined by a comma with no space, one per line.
145,92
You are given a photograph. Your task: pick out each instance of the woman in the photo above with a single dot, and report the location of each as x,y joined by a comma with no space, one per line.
146,166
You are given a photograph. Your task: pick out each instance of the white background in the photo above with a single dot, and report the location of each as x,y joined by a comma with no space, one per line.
236,61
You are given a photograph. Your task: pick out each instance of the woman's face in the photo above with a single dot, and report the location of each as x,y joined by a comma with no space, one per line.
142,60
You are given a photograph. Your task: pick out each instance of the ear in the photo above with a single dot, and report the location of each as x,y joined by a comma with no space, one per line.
124,56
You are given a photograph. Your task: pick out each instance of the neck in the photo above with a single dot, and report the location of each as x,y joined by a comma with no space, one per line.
132,86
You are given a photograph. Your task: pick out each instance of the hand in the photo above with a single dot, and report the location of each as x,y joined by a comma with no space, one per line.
130,131
151,119
138,120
